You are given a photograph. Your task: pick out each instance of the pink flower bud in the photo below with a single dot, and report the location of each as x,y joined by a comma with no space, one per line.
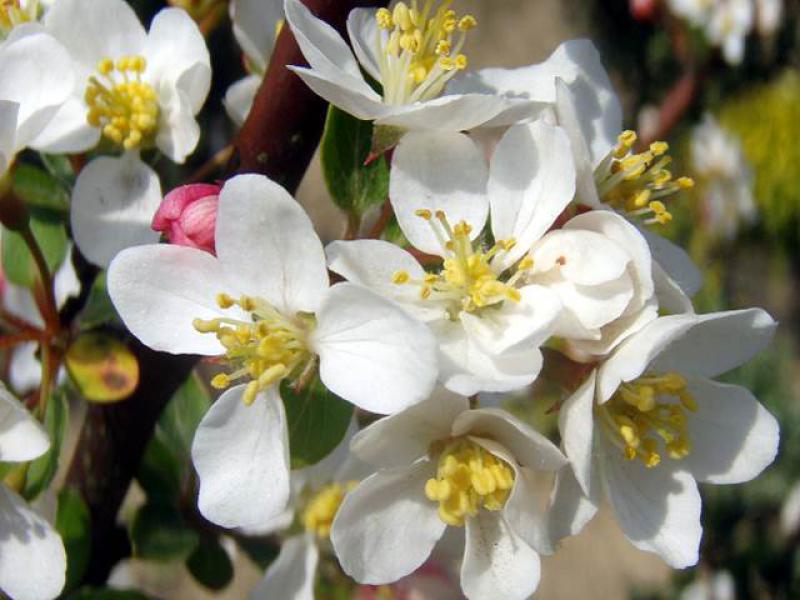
188,215
644,10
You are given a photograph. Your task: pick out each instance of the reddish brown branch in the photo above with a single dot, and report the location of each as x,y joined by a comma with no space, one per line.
278,139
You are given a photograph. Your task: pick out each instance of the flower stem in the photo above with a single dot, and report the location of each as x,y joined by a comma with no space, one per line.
48,301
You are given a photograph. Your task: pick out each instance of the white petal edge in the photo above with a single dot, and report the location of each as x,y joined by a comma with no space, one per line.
22,437
292,574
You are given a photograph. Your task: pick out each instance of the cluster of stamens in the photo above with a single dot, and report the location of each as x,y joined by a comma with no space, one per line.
265,349
647,415
12,14
469,478
418,50
121,104
637,183
320,510
466,281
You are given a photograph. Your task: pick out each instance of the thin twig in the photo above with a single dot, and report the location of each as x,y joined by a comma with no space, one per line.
48,306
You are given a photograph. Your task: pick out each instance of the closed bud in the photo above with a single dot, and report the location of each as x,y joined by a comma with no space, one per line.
188,216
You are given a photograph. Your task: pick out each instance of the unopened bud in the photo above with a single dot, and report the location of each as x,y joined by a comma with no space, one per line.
188,216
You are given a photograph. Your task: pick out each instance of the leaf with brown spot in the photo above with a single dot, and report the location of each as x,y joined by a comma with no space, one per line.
102,367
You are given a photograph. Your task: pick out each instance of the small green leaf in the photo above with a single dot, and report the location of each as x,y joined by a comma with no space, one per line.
158,532
42,470
40,190
74,525
18,264
88,593
345,146
102,367
58,166
98,310
210,565
160,472
317,420
182,415
261,550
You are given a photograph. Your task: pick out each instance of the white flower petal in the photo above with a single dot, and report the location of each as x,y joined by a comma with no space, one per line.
450,113
292,574
386,528
569,510
718,342
371,352
497,562
107,29
36,73
465,368
22,437
613,334
178,130
733,437
671,297
267,241
362,28
177,56
323,48
516,325
581,256
576,425
438,172
159,290
68,131
24,369
528,447
531,180
113,203
241,454
402,438
27,541
345,92
239,98
255,25
8,133
658,509
675,262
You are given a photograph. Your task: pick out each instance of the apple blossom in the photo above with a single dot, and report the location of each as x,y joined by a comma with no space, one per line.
442,464
649,423
188,215
264,304
726,23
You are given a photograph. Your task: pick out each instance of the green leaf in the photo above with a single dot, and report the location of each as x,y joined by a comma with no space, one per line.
261,550
182,415
58,166
18,264
88,593
98,310
210,565
160,472
317,420
158,532
42,470
40,190
102,367
345,146
74,525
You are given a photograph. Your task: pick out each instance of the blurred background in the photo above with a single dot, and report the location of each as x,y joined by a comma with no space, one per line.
735,128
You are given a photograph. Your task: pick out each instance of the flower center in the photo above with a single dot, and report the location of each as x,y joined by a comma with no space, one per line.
13,14
417,51
121,104
636,183
321,509
265,349
468,478
466,281
647,414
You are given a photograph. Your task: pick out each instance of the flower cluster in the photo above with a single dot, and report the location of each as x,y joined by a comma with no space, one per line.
528,232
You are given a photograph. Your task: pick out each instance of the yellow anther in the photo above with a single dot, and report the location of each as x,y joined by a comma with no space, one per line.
384,18
461,62
220,381
105,66
250,392
204,326
627,138
425,292
424,213
662,178
400,277
526,264
318,514
641,199
402,17
469,478
659,148
685,182
443,47
467,22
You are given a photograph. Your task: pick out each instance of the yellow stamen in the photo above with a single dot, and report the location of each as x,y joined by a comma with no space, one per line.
319,512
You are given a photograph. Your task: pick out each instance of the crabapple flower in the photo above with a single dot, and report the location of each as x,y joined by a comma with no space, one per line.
488,322
188,216
413,51
26,539
726,23
18,12
711,586
442,464
35,80
265,307
725,176
649,423
769,15
317,494
256,24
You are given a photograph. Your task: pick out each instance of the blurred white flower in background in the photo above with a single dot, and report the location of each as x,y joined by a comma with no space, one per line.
715,586
725,178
